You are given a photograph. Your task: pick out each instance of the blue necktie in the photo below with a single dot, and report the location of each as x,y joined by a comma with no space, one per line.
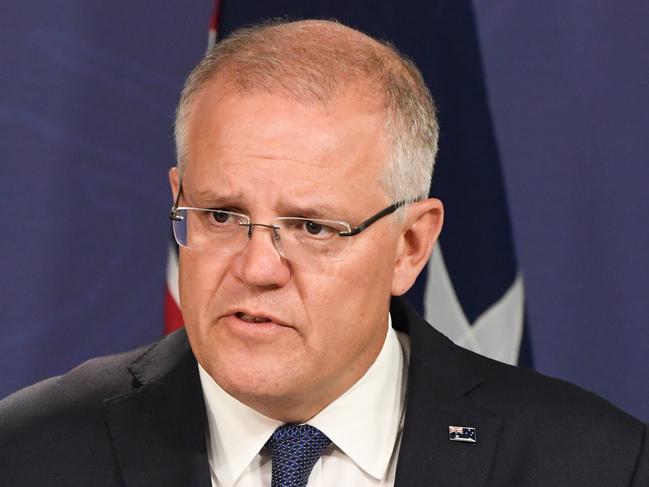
295,449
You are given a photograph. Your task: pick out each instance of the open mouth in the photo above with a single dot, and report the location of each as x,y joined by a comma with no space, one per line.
251,319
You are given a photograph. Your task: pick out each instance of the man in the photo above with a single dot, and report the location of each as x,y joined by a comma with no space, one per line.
305,152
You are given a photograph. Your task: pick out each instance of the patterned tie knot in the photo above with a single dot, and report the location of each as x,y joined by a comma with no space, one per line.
295,449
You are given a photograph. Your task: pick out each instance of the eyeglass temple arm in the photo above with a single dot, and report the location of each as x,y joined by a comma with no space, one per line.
358,229
172,213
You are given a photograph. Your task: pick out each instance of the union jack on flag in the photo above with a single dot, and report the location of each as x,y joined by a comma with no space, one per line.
462,433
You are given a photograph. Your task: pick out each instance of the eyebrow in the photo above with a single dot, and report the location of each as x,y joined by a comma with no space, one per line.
321,211
210,198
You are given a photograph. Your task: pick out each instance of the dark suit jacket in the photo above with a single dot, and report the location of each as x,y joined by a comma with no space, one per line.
138,419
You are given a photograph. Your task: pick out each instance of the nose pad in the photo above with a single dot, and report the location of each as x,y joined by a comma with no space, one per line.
257,265
274,233
274,228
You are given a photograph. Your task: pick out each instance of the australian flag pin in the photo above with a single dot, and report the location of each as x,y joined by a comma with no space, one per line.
462,433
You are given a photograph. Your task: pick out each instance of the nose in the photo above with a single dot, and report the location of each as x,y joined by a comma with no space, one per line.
259,264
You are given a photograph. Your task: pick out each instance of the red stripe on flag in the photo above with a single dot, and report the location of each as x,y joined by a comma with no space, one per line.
173,316
213,31
214,18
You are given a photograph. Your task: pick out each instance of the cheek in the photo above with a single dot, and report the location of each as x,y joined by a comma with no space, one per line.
198,282
338,301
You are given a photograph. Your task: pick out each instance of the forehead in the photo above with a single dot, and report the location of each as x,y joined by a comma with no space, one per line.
271,144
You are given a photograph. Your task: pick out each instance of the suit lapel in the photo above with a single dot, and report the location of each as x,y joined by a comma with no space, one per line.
158,428
440,382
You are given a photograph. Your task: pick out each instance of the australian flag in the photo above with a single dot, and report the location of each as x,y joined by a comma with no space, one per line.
462,433
472,289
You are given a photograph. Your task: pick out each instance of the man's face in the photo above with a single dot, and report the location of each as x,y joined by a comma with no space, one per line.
323,323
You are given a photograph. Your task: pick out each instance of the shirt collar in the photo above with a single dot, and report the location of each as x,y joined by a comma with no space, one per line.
367,414
236,432
365,421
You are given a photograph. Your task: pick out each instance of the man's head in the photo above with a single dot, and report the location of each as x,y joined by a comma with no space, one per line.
315,62
311,120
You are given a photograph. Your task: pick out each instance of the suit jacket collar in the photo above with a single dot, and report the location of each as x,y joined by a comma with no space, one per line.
440,382
158,428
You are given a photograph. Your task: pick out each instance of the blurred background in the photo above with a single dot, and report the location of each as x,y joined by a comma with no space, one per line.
87,96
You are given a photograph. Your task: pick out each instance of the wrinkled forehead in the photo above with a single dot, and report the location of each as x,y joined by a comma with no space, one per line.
257,143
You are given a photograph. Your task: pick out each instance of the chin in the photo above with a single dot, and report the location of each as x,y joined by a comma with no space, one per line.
253,382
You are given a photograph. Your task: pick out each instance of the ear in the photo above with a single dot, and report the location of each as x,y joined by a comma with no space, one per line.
419,233
174,182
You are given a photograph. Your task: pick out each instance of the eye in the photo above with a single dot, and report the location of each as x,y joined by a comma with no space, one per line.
220,216
314,228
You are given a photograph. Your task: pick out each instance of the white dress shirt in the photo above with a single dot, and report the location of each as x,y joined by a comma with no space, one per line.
364,425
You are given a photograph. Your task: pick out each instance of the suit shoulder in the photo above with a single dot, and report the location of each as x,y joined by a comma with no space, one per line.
73,395
572,431
519,392
66,417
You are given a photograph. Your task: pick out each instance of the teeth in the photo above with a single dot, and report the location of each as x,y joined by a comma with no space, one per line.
251,319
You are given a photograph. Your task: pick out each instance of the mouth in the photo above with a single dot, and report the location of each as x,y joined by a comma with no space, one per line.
255,325
251,318
259,318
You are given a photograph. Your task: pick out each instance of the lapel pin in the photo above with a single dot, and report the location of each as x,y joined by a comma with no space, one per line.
462,433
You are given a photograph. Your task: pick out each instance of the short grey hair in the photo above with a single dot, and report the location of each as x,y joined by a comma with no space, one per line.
315,61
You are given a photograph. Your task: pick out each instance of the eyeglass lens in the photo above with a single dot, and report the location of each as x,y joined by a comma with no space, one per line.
296,239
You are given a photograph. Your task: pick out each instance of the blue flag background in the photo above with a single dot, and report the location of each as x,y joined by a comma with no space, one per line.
87,96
